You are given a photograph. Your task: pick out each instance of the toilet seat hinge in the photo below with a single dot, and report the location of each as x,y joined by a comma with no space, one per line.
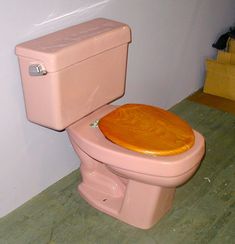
94,124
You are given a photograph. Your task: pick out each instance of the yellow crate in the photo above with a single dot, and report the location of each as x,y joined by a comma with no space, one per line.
231,45
220,79
225,57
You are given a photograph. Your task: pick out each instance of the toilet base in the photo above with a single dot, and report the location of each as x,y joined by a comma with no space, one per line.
130,201
142,205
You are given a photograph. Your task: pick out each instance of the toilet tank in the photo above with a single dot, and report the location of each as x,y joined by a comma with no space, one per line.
72,72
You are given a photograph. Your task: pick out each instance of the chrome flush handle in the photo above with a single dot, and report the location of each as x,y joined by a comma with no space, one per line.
37,70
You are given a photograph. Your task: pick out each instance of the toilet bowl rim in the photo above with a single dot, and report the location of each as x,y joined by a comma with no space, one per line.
92,142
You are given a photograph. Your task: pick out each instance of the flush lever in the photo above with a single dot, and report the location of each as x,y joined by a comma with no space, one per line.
37,70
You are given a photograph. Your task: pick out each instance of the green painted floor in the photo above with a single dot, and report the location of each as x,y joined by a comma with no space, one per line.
203,210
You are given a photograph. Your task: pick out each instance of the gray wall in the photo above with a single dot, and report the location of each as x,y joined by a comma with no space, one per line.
166,63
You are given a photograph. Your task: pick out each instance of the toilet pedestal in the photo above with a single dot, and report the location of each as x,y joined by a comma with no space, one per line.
143,204
133,202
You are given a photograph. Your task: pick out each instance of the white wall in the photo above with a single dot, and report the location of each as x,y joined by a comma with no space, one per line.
170,42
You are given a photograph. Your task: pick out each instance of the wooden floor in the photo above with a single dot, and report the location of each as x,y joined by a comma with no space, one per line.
216,102
203,209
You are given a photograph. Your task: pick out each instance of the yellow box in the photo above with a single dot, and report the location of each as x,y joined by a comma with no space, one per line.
231,45
220,79
225,57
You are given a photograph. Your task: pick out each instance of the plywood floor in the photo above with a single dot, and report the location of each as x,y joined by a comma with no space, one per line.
203,209
216,102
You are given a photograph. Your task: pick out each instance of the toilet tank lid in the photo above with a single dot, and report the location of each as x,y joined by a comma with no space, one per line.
74,44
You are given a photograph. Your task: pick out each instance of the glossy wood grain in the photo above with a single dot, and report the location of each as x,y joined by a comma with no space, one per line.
147,129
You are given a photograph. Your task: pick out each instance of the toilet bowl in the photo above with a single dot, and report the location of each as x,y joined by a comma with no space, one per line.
133,187
69,79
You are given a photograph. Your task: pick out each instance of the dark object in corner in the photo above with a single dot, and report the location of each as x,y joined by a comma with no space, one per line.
222,41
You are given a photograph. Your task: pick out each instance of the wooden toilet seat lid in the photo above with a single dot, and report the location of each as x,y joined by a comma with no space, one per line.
147,129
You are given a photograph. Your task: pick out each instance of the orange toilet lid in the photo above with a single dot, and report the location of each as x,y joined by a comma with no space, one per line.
147,129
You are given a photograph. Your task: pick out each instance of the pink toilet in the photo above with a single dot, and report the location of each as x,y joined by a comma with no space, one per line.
69,78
